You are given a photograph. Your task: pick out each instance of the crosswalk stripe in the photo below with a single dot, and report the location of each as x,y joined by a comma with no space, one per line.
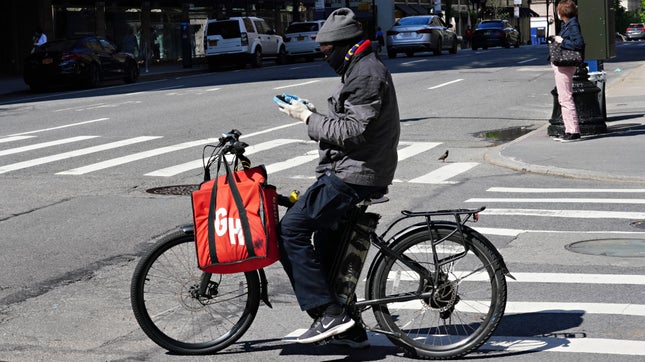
441,175
555,278
558,200
135,157
292,162
414,148
571,345
567,343
560,190
61,127
14,138
196,164
65,155
516,232
584,214
37,146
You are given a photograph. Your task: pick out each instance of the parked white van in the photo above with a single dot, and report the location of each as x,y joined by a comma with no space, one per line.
241,40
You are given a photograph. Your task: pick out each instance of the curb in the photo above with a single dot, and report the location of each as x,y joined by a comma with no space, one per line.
495,157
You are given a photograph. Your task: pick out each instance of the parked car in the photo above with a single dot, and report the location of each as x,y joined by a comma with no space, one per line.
84,61
490,33
300,39
635,31
241,40
420,33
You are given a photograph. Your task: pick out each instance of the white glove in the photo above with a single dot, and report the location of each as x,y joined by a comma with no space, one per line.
298,110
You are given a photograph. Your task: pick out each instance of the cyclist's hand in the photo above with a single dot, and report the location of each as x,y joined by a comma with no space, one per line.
309,105
297,110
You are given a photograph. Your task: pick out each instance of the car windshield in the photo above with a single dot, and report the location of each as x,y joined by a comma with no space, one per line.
227,29
413,21
634,26
302,28
490,25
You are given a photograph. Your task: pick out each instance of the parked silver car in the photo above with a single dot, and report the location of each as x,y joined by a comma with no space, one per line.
300,39
421,33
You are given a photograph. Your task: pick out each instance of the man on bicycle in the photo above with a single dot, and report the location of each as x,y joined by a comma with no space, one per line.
357,141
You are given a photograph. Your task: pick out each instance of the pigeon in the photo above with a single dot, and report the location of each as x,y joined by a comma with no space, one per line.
443,157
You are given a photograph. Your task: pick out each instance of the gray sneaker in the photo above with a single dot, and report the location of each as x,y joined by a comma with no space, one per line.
325,327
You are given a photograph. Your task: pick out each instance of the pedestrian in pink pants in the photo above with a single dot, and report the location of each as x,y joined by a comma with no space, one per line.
569,37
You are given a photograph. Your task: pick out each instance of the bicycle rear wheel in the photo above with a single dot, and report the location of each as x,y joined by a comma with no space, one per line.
453,318
173,312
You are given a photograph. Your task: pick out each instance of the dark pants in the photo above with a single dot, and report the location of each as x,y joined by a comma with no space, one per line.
320,209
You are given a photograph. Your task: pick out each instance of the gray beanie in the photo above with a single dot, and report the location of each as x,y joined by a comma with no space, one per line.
340,25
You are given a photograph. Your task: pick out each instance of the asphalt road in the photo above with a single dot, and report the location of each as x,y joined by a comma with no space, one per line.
75,166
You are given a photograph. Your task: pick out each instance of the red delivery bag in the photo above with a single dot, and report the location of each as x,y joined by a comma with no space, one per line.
235,218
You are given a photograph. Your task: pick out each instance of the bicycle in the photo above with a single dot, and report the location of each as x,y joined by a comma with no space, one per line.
437,288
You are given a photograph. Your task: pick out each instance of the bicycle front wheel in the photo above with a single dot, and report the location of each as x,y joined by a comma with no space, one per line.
176,313
452,317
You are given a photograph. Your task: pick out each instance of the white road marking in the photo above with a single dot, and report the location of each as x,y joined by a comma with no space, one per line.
439,176
526,61
414,148
445,84
196,164
60,127
561,190
297,84
45,144
292,162
516,232
558,200
584,214
135,157
65,155
14,138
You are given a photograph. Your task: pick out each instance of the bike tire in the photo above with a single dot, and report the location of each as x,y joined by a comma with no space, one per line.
167,310
465,309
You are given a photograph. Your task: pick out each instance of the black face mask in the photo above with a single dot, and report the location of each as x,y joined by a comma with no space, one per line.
336,59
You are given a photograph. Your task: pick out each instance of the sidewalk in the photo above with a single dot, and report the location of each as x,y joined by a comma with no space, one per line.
617,155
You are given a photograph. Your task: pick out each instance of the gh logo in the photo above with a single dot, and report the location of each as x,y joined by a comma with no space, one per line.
224,225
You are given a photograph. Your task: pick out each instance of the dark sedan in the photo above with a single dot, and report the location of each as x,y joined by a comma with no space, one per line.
84,61
490,33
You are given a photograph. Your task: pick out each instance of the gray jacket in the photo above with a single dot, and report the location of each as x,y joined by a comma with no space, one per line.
358,137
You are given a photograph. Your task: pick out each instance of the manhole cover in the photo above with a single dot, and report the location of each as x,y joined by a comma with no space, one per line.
610,247
638,224
173,190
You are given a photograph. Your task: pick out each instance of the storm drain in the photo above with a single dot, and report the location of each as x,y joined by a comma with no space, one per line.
179,190
498,136
627,248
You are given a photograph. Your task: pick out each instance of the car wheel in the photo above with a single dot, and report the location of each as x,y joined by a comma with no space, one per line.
256,60
213,64
131,73
282,57
474,48
437,50
517,44
409,54
93,76
391,54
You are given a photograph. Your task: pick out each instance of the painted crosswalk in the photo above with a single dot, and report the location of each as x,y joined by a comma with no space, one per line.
431,172
556,342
